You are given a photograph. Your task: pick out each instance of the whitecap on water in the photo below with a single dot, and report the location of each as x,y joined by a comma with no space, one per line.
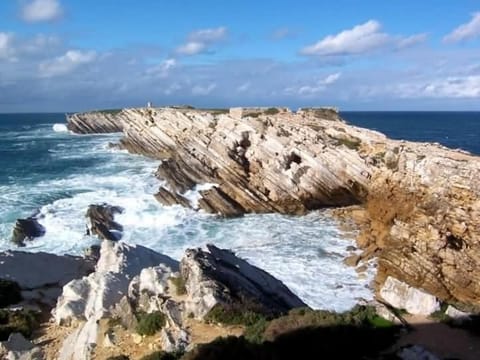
60,128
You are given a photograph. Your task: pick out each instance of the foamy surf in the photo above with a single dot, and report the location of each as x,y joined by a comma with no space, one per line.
306,253
60,128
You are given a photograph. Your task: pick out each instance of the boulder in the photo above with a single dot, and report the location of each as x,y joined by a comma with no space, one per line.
168,198
218,276
403,296
19,348
41,276
101,222
27,229
87,300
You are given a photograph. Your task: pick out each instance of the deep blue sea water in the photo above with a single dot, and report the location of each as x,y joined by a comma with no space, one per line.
45,169
452,129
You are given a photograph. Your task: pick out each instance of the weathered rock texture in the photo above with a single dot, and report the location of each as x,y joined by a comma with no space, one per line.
26,229
41,276
95,122
133,279
217,276
101,221
422,200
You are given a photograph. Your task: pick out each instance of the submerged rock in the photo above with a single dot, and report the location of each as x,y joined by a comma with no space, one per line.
27,229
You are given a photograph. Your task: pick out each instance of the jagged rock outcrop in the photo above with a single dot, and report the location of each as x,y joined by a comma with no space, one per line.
87,300
101,222
403,296
27,229
218,276
132,279
41,276
422,200
95,122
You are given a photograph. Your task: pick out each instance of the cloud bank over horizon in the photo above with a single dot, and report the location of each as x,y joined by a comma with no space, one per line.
48,63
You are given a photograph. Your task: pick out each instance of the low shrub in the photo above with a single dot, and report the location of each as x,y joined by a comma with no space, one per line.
234,314
149,324
162,355
23,321
179,283
118,357
271,111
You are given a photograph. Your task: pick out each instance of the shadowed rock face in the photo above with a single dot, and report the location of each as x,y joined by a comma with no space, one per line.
218,276
422,200
101,221
26,229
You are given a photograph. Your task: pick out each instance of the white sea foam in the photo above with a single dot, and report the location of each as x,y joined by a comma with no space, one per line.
60,128
304,252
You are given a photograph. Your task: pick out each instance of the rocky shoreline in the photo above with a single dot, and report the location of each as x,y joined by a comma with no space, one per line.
417,207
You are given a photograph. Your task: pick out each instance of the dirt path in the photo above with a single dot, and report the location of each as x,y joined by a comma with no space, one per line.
441,339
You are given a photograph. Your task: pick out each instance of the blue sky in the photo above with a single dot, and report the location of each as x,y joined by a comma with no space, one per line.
68,55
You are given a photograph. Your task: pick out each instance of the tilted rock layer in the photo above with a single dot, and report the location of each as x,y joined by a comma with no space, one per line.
422,200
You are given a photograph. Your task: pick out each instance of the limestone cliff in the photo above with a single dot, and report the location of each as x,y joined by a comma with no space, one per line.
95,122
422,200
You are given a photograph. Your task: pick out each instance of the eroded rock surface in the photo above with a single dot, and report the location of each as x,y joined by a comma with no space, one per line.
422,200
41,276
27,229
95,122
101,221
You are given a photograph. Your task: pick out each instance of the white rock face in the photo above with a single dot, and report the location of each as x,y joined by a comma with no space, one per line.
91,298
41,275
458,316
403,296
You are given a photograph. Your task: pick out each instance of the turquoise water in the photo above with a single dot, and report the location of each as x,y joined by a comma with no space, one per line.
46,169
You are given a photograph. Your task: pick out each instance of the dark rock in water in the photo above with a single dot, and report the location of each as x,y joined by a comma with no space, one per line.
168,198
215,201
102,223
27,229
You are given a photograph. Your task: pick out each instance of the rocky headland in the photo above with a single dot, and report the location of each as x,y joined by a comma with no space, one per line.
420,202
415,207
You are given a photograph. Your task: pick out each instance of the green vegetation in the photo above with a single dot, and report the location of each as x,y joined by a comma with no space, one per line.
235,314
22,321
162,355
179,283
351,142
110,111
9,293
271,111
149,324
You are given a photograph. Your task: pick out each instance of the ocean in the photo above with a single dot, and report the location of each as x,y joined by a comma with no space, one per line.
46,170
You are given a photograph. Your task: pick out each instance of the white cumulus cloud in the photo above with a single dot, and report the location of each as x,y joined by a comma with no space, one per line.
200,41
163,69
466,31
66,63
42,10
359,39
203,90
6,47
315,88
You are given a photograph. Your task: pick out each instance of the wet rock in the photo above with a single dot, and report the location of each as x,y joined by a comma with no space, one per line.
215,201
101,222
168,198
27,229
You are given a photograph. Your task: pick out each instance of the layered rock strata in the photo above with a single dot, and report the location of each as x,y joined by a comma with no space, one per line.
422,200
